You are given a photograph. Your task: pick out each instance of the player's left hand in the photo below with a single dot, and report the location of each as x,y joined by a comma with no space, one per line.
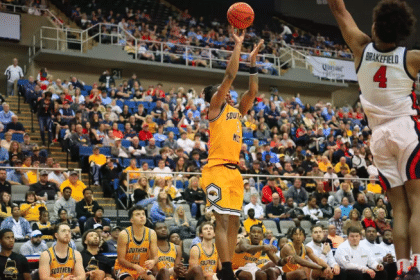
380,267
328,273
336,270
149,264
254,53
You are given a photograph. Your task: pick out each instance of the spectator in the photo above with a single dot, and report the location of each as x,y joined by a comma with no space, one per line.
45,111
5,185
15,150
337,221
170,142
319,192
109,172
37,157
345,208
382,223
57,176
66,202
135,149
145,133
248,191
107,79
258,210
27,147
75,184
182,225
185,143
98,219
336,240
15,177
16,266
357,260
78,139
276,211
250,221
331,178
195,197
20,226
312,210
103,266
269,190
73,224
44,187
344,191
5,205
35,246
44,225
112,242
96,160
162,209
133,167
142,193
373,186
367,219
14,126
353,221
361,203
388,243
7,141
86,207
338,166
270,239
31,209
6,115
295,213
118,150
152,150
162,171
13,74
299,194
327,210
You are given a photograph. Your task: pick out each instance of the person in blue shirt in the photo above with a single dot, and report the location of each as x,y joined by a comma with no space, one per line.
345,207
195,112
270,239
233,94
6,114
160,135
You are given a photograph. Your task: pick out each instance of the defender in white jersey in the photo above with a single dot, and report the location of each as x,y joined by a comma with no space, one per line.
386,76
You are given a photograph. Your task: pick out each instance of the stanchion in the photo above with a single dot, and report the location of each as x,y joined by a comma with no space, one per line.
18,94
32,121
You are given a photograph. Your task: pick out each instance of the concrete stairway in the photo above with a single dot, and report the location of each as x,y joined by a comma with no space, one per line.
55,149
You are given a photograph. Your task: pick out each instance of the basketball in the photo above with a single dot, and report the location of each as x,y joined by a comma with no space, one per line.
240,15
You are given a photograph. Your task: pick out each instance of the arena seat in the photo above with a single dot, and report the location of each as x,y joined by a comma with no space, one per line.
169,223
186,246
17,246
85,151
106,151
285,225
17,137
269,224
306,225
79,246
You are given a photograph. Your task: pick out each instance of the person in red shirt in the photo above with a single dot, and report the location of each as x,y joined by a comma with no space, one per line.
269,189
145,134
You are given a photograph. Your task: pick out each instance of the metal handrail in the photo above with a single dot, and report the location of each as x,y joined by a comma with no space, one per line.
308,49
44,168
56,20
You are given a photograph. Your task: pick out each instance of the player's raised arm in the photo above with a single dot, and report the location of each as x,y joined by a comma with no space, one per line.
230,74
249,96
353,36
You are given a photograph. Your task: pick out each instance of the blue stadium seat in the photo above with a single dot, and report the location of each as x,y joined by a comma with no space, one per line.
22,82
1,108
85,151
262,143
142,143
248,135
120,104
84,92
175,130
62,133
151,106
125,143
151,183
1,135
130,104
159,144
88,88
125,162
150,162
145,104
179,185
116,183
249,142
106,151
17,137
186,184
121,127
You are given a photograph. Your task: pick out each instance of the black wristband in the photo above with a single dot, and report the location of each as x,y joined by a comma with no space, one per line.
324,268
253,70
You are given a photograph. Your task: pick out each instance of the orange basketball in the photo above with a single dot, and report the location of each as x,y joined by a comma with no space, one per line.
240,15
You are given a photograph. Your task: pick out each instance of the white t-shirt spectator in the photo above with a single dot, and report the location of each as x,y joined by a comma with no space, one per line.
60,178
186,144
329,258
389,249
137,152
376,250
358,258
315,213
259,211
159,171
286,31
13,73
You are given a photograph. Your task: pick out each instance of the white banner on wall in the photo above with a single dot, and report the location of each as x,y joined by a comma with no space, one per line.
334,69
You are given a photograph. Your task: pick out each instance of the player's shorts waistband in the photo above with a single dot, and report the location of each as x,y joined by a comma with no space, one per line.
231,165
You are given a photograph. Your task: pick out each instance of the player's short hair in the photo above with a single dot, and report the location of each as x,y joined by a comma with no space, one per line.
259,226
85,236
353,230
296,229
317,226
156,224
135,208
209,91
4,231
57,227
200,229
394,20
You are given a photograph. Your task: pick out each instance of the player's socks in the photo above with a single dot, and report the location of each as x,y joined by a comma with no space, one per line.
227,272
402,266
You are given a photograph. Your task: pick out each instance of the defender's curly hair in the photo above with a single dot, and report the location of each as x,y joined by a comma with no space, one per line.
394,20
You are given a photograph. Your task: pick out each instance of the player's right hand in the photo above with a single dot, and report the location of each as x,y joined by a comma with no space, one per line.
371,273
140,270
267,248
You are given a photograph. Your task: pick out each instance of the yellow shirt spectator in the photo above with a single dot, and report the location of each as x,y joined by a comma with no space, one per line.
349,133
31,212
32,178
375,188
97,159
76,186
248,223
323,167
337,167
133,176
